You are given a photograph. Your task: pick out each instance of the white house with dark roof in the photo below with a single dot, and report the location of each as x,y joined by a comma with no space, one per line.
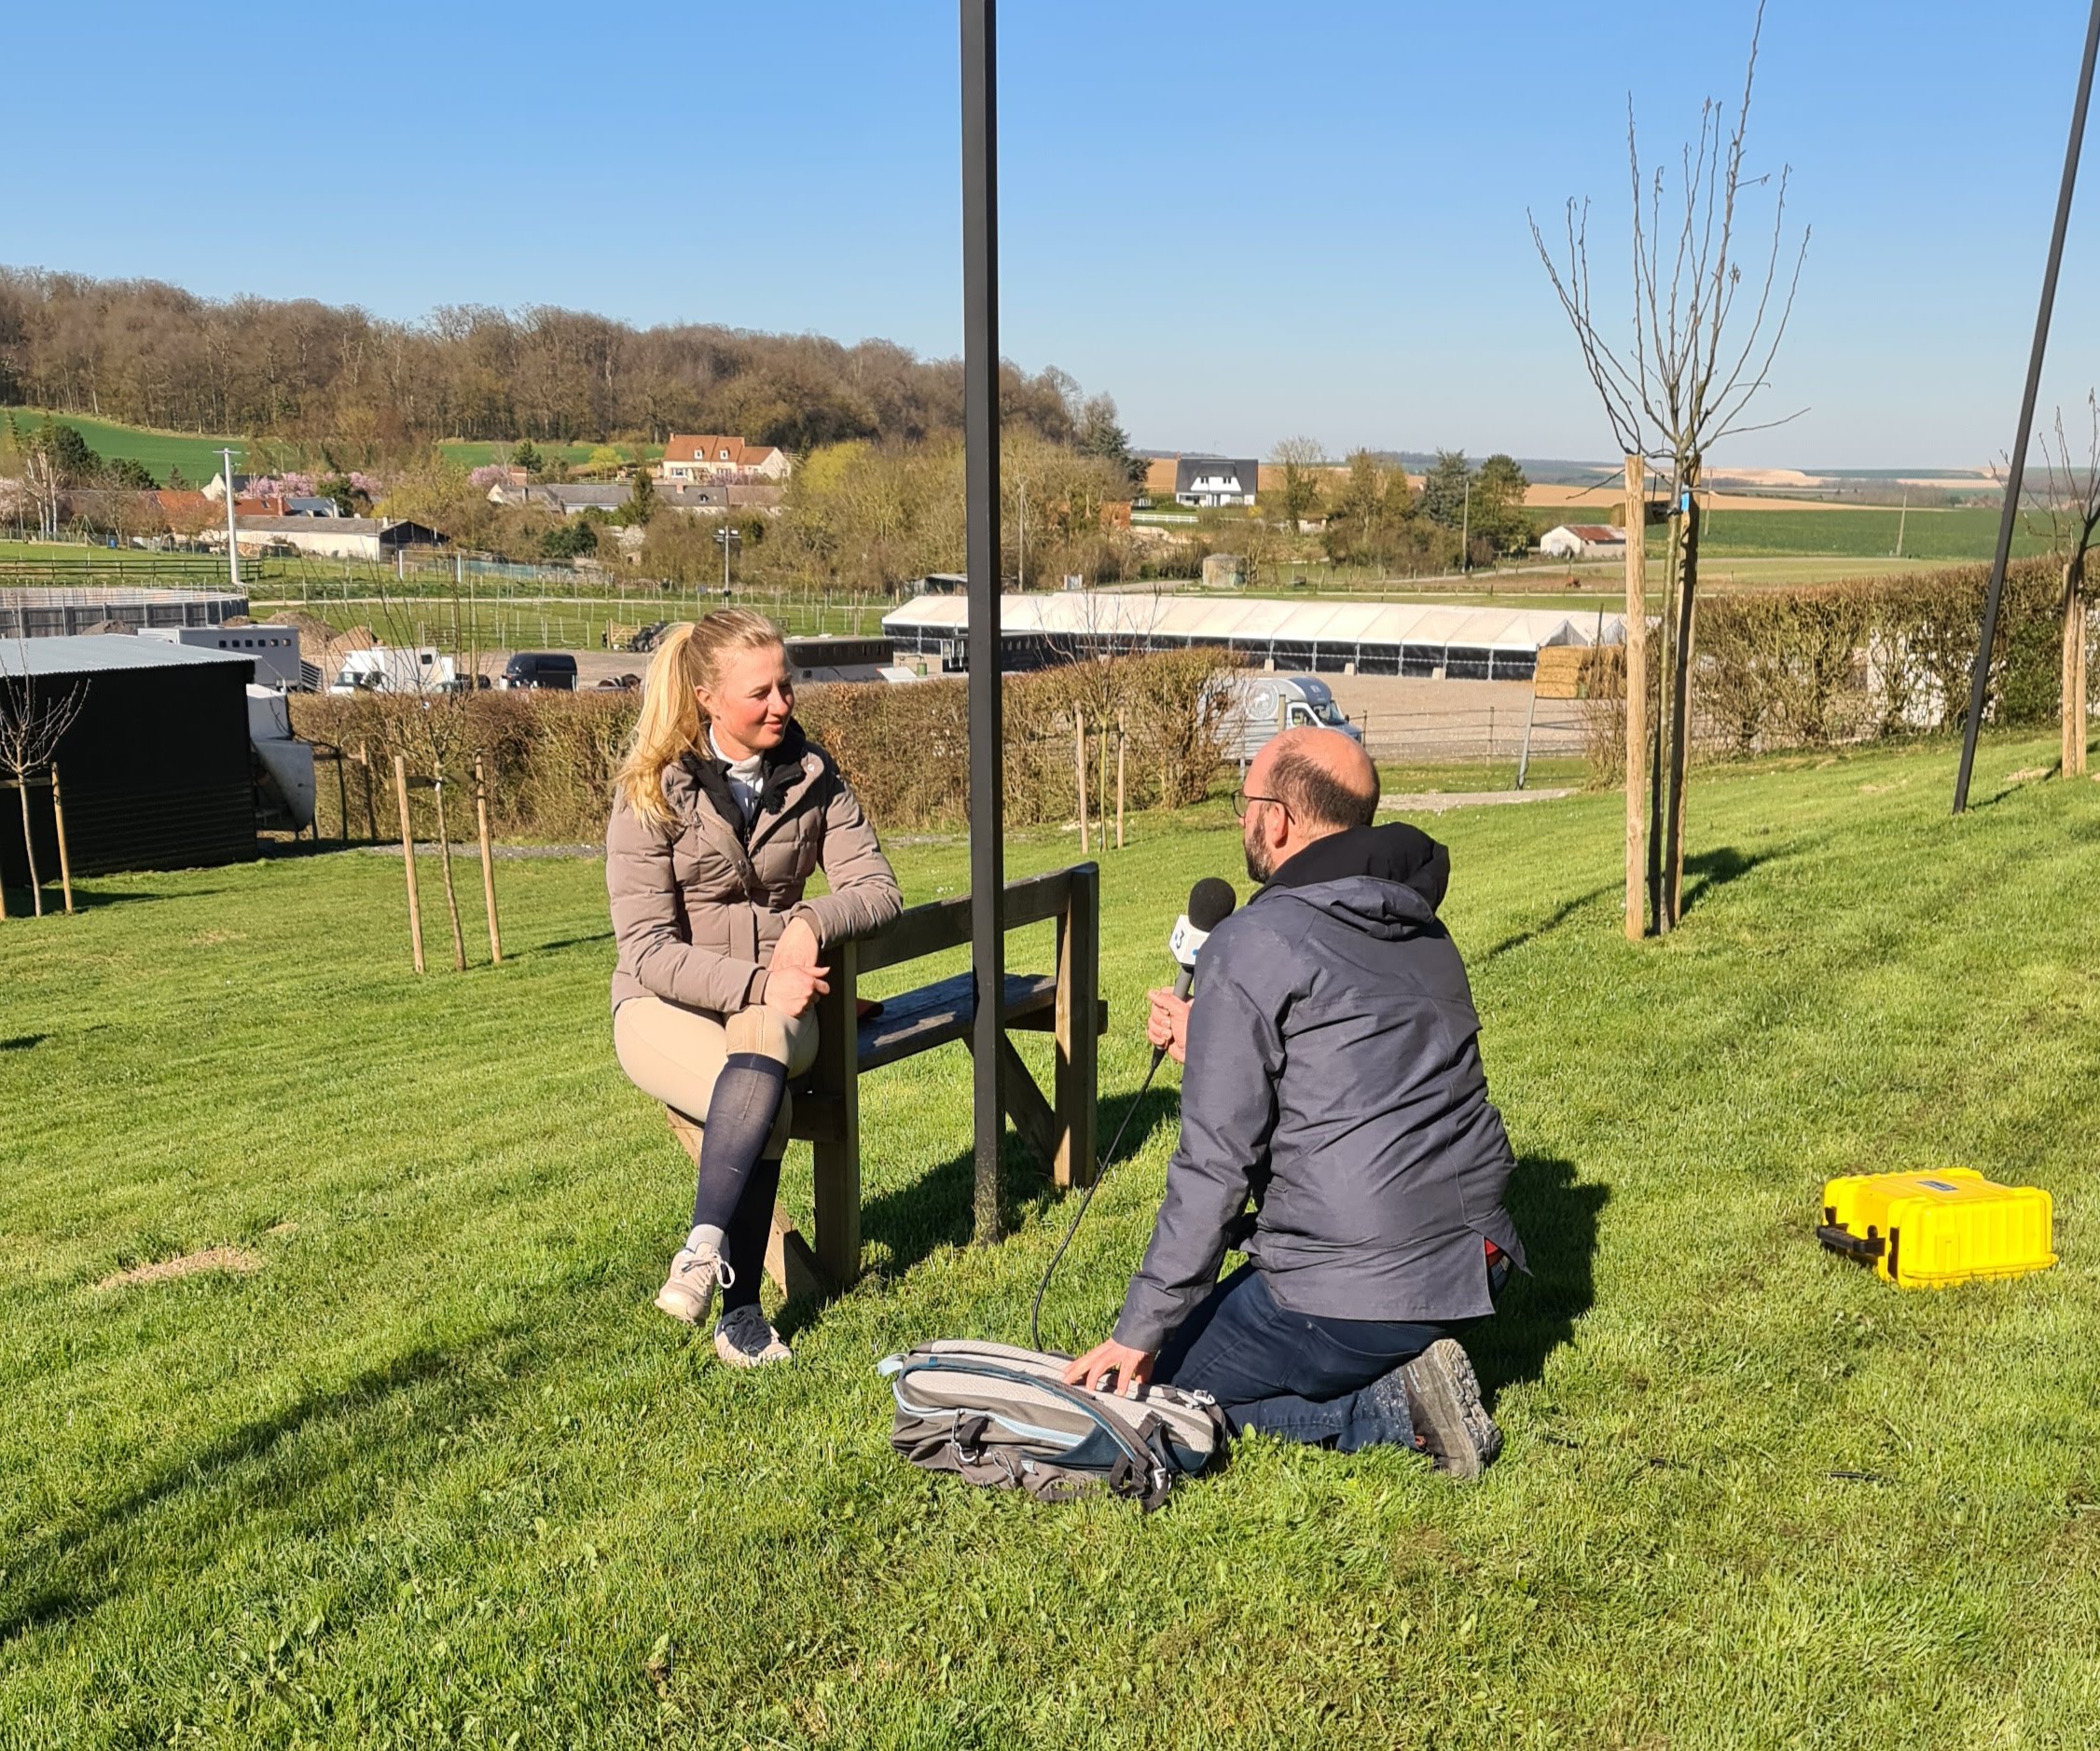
1210,481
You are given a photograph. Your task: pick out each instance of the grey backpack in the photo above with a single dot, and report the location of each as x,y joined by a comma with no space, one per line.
1002,1417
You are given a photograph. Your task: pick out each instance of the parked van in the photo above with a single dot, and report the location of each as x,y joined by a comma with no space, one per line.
385,669
1260,706
554,670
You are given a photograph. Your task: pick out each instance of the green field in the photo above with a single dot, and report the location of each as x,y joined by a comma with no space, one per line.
436,1472
196,457
1966,534
199,457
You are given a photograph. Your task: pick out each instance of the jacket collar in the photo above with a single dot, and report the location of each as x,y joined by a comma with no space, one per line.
1394,852
698,785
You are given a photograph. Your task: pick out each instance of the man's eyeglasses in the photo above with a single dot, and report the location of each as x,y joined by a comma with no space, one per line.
1242,802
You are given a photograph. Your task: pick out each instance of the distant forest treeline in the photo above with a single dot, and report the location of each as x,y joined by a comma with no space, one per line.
148,353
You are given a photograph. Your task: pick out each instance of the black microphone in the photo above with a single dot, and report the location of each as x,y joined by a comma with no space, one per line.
1210,903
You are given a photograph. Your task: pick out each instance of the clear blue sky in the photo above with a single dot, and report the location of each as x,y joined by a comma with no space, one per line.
1282,220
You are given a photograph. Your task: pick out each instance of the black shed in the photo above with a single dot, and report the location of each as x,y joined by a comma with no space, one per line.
155,769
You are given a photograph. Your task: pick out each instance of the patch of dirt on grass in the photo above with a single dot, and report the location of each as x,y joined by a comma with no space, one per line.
237,1259
2026,775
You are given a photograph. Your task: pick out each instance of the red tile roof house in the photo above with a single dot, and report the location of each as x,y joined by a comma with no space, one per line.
711,456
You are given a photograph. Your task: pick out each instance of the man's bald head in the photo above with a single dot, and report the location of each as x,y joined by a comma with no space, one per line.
1322,777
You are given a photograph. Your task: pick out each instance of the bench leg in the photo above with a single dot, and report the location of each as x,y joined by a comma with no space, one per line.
789,1261
837,1159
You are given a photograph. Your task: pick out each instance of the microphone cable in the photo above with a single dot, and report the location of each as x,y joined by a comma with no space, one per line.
1087,1197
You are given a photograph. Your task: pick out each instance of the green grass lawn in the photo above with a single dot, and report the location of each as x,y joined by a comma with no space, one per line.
196,456
436,1472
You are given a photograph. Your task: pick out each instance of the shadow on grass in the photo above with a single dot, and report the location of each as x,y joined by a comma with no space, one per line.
23,1043
88,899
1551,921
938,1209
1706,871
566,942
1557,1219
69,1567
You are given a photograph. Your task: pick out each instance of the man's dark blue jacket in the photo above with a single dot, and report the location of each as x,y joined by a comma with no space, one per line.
1333,1077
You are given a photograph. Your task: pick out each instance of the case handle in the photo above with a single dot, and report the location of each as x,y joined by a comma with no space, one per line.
1844,1240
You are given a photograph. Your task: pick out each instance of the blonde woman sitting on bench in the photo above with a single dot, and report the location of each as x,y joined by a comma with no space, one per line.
721,812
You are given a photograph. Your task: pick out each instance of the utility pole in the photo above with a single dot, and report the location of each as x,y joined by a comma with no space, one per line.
1466,529
1899,517
233,546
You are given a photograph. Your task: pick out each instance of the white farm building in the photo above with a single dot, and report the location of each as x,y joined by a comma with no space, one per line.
1426,639
1582,541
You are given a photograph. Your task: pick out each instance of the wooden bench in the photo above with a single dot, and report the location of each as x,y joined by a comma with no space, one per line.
1065,1003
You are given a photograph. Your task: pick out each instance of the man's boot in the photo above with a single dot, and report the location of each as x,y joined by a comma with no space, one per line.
1451,1423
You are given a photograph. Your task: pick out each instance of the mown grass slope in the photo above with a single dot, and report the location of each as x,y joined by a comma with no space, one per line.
436,1473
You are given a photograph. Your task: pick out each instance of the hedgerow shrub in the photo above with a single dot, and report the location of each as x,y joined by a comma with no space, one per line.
1852,661
551,756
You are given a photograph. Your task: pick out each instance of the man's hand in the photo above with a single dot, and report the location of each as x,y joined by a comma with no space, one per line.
793,980
1168,1026
1110,1365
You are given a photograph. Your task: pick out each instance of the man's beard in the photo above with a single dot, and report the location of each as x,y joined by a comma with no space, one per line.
1258,865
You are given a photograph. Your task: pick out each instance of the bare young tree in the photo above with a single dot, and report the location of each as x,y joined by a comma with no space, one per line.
2071,503
1300,458
31,728
1705,335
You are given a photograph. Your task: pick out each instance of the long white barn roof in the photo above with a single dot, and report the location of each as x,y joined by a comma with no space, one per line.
1129,615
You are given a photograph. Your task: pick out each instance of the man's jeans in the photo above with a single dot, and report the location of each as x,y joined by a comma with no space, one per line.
1296,1375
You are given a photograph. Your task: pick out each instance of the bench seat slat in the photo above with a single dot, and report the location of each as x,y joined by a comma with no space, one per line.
935,1014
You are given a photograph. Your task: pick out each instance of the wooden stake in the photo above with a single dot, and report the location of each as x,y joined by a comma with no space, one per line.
1636,696
2078,689
66,861
1079,757
408,860
488,864
371,817
1121,746
1101,789
2071,706
1681,702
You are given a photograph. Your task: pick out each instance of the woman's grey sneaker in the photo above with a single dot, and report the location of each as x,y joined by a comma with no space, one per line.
744,1340
1451,1425
688,1291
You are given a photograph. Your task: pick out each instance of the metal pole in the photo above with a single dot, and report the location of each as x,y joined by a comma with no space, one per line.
1979,678
233,547
980,425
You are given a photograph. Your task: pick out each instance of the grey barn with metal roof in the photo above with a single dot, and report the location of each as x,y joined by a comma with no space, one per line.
1315,637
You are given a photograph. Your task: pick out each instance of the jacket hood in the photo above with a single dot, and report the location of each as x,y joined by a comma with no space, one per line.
1387,881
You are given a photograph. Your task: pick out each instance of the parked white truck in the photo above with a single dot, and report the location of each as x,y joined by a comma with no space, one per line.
396,669
1258,706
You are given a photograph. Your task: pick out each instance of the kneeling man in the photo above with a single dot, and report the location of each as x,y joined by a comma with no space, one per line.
1332,1077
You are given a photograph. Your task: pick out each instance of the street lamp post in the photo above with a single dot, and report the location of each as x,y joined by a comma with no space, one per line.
727,539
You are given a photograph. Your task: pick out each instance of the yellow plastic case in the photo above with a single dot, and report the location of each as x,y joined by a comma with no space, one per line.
1925,1231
